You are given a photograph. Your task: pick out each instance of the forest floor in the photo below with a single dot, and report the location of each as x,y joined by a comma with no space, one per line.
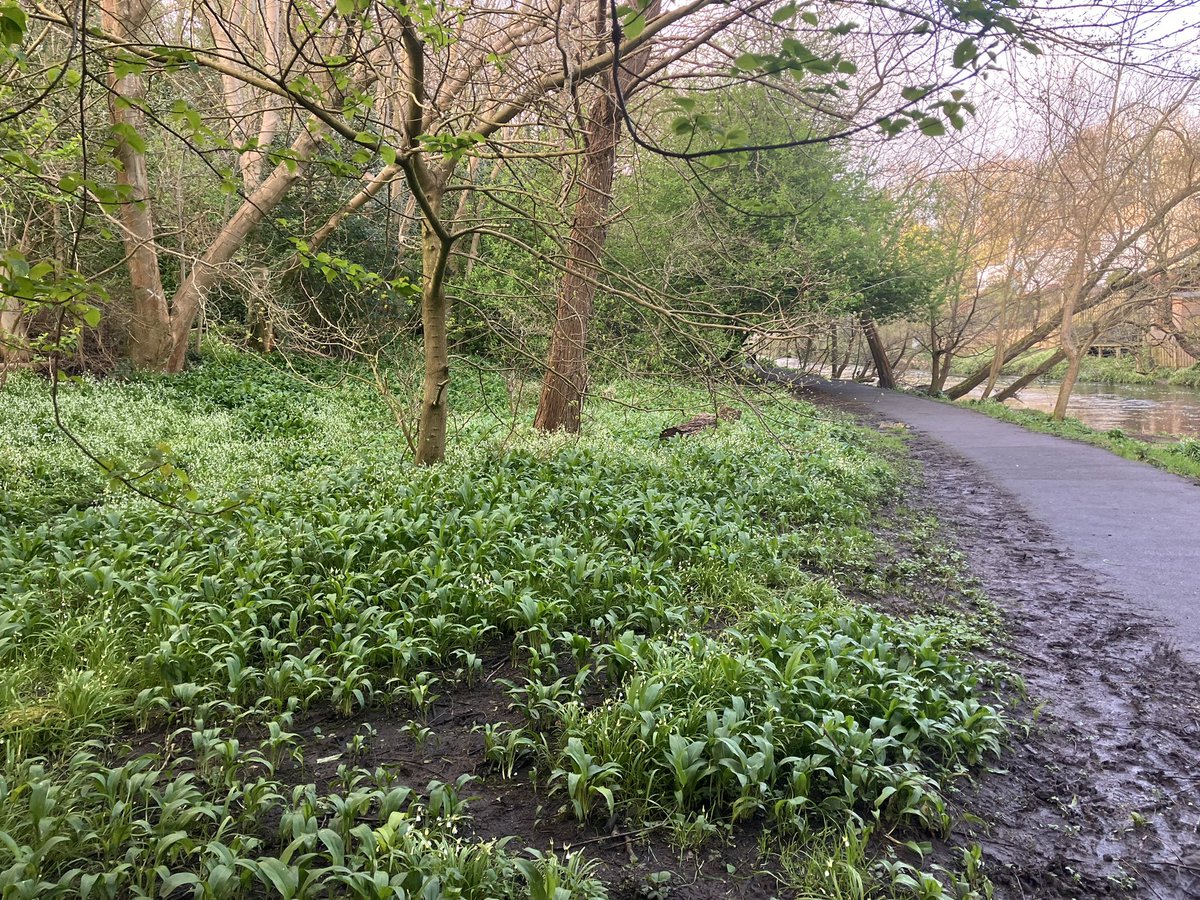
1099,796
604,666
586,667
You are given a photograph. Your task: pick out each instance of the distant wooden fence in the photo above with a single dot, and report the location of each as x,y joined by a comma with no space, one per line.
1169,355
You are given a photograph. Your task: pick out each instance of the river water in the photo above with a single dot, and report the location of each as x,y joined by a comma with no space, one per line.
1136,409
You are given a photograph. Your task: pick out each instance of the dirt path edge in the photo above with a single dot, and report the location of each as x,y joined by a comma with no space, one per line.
1098,794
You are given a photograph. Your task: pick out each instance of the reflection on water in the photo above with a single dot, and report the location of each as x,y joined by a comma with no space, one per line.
1134,408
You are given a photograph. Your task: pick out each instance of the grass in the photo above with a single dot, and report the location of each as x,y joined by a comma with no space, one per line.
1181,458
683,651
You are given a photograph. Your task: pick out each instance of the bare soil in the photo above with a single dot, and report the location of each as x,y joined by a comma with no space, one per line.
516,808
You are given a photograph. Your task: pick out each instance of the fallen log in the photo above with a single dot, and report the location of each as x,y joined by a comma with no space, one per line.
701,422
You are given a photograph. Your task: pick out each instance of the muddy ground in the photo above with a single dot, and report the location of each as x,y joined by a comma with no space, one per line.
633,861
1099,795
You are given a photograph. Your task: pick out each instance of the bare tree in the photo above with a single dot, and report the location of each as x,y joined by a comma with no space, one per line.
1096,209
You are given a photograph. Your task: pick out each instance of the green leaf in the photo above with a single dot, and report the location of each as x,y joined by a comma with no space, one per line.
172,882
12,24
784,13
344,7
126,133
388,155
965,52
931,127
279,875
123,65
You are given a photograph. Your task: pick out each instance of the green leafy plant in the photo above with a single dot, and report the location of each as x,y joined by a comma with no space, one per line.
585,782
677,645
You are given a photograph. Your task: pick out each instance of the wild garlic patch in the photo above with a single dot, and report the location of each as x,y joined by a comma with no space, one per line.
660,625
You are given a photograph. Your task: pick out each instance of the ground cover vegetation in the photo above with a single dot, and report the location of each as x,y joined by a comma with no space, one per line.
664,632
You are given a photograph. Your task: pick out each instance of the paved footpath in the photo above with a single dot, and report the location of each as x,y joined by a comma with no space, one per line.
1136,526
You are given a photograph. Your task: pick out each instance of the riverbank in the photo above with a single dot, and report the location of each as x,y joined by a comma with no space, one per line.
1181,457
1093,369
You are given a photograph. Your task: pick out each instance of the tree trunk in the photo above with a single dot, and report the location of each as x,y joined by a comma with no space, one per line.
994,369
272,117
998,360
900,354
1092,299
565,382
1049,363
1186,344
1169,322
1074,360
1013,350
431,434
150,323
253,210
883,366
258,313
941,370
1073,348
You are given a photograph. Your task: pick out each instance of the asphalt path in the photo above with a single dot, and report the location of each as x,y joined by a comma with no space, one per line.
1135,526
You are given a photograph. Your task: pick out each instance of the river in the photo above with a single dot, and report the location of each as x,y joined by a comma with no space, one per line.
1136,409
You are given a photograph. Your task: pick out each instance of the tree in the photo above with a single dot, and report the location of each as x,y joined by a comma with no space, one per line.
565,381
769,245
1099,193
827,106
482,77
416,100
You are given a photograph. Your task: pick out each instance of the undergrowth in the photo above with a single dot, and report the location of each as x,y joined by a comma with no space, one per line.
686,656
